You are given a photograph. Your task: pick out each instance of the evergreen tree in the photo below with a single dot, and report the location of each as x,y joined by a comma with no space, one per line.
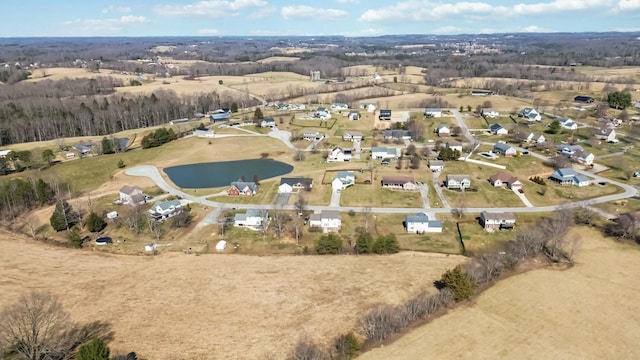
554,127
95,349
75,238
459,283
95,223
329,244
63,216
619,99
364,243
44,192
258,114
48,155
107,146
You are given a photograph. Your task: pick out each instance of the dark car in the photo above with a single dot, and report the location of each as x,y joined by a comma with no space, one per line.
521,191
103,240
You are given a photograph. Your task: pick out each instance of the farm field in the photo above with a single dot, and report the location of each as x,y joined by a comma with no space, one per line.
242,306
586,312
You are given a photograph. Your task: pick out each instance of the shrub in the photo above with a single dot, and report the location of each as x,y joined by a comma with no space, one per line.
121,164
75,238
63,216
347,346
95,223
305,349
329,244
364,243
158,137
182,219
95,349
459,282
386,244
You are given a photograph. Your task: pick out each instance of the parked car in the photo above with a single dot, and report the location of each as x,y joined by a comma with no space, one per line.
521,191
636,174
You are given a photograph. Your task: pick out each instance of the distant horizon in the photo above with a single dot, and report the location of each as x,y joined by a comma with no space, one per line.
349,18
316,36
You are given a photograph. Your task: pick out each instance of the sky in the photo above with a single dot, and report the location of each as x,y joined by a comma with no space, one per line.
304,18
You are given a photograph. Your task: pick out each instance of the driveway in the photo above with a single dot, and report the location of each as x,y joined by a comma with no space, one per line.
335,198
523,198
436,185
283,198
283,136
424,193
463,127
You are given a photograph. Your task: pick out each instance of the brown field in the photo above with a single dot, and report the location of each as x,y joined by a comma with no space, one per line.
586,312
178,306
273,59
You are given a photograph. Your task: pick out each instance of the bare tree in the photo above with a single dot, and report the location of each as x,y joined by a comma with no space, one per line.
155,227
133,218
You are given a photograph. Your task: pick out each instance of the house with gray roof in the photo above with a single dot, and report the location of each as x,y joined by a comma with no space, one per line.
327,220
246,188
420,223
165,209
491,221
568,176
504,149
460,182
252,219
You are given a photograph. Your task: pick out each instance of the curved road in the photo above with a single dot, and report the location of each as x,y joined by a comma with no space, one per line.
153,173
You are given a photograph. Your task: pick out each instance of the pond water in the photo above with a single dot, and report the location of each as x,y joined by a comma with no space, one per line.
217,174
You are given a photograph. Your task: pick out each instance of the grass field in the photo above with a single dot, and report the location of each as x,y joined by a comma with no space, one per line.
376,196
586,312
243,306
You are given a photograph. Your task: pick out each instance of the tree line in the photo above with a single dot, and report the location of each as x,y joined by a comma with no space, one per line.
39,118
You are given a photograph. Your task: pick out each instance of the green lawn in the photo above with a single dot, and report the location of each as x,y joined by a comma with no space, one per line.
553,193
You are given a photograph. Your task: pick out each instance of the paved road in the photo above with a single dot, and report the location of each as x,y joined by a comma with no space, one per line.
463,127
335,198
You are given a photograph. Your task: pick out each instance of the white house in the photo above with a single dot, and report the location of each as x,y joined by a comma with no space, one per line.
339,106
204,132
397,134
166,209
436,165
252,218
458,182
338,154
504,149
530,114
503,179
343,180
490,113
398,182
312,136
354,115
454,145
607,134
352,136
381,153
322,113
498,129
268,122
531,137
327,220
420,223
131,195
288,185
497,220
583,157
443,130
433,112
369,107
567,123
4,153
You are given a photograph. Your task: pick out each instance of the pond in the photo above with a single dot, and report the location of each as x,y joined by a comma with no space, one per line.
217,174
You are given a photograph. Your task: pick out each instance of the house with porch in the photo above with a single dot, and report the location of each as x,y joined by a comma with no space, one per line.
568,124
268,122
492,221
312,136
339,154
433,112
343,180
459,182
420,223
583,157
607,134
454,145
399,182
322,113
353,115
397,135
369,107
328,220
490,113
339,107
165,209
244,188
352,136
568,176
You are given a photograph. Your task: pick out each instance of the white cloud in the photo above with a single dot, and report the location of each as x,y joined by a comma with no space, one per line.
425,10
85,27
629,5
347,1
209,8
533,29
308,12
363,32
120,9
208,31
447,30
262,13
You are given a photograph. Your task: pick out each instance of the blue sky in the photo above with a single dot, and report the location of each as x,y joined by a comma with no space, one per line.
327,17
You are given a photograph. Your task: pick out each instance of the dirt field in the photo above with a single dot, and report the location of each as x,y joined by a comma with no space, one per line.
587,312
178,306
